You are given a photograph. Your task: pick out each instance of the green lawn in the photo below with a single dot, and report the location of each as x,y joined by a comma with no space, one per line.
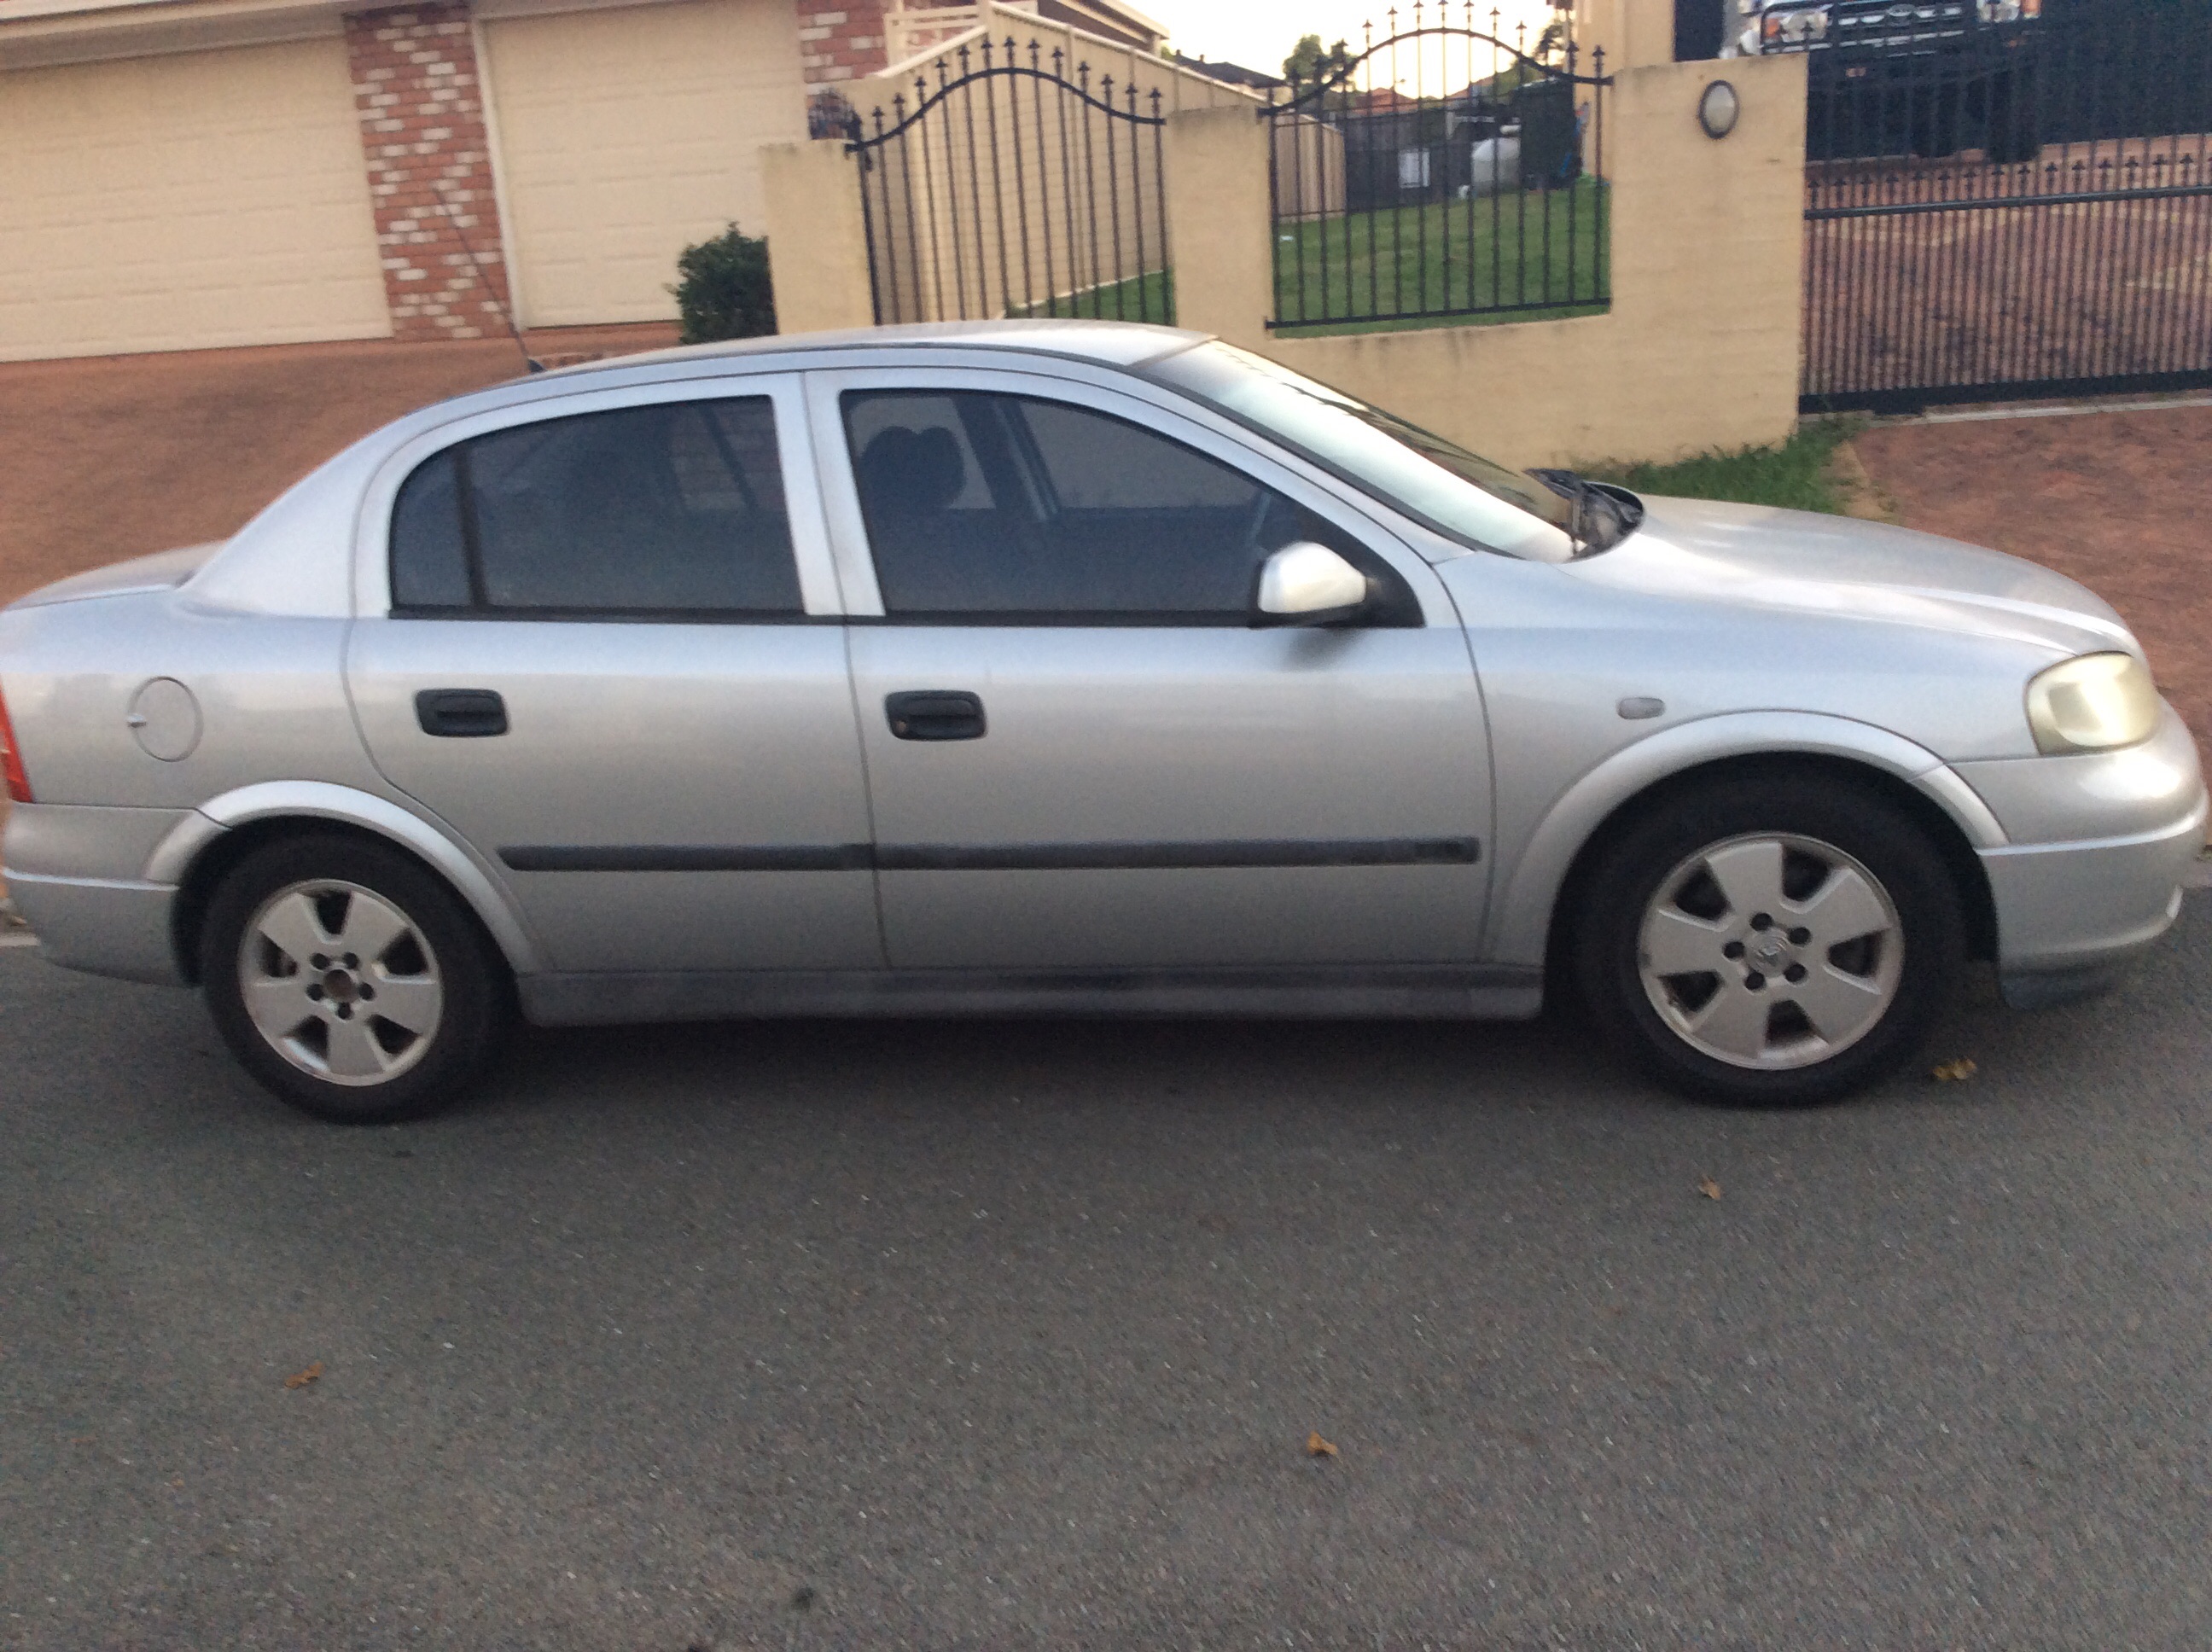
1399,261
1799,474
1148,297
1544,255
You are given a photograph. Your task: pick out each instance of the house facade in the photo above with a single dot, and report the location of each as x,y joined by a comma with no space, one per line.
199,173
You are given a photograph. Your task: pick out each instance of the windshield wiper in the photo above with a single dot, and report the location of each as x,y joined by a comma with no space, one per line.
1604,515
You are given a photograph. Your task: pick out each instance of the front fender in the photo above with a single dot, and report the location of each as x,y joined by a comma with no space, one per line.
475,882
1520,920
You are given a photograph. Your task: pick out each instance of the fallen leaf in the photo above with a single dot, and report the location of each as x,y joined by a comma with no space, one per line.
1709,1188
1317,1447
301,1379
1953,1073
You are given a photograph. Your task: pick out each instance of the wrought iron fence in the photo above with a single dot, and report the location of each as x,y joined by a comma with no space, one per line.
2006,205
1441,173
1011,187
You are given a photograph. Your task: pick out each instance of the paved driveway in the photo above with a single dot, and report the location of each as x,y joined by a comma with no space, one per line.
992,1335
2117,501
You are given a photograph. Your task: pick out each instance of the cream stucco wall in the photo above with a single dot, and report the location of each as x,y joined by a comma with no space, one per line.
1699,349
625,135
183,202
817,244
1634,33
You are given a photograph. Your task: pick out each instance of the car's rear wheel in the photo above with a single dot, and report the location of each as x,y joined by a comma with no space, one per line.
350,982
1769,940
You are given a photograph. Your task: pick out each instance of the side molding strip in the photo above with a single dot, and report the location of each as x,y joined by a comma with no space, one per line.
1009,857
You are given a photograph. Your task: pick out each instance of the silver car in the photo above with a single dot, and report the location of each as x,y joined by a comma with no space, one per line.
1047,668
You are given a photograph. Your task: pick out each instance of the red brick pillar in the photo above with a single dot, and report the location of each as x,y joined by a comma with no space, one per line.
841,39
421,109
838,41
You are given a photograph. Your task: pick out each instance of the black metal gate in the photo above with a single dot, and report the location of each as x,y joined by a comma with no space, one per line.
1011,188
2008,210
1441,174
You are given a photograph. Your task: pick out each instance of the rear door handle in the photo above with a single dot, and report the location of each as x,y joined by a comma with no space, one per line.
460,714
934,714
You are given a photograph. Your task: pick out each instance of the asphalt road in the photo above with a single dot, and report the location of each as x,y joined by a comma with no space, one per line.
1010,1335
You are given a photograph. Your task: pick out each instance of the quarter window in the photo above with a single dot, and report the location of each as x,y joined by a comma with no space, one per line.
997,507
673,509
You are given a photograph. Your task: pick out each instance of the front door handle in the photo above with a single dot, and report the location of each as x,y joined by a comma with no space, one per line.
934,714
460,714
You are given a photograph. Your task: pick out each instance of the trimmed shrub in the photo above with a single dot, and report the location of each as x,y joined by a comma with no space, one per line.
722,289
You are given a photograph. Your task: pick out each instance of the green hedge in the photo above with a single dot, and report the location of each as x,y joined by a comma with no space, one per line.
723,290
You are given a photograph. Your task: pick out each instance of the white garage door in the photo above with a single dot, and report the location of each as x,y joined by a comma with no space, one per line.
177,203
627,135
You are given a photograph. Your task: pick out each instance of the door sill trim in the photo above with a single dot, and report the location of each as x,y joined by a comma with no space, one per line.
1366,992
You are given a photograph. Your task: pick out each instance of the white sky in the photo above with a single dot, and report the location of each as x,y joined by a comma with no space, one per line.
1260,34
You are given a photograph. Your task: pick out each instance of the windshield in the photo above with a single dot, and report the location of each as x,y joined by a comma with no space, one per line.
1459,493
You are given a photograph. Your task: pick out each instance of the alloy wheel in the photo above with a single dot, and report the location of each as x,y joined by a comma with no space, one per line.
1771,951
340,982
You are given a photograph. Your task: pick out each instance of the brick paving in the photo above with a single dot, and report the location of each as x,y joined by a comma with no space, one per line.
116,456
2117,501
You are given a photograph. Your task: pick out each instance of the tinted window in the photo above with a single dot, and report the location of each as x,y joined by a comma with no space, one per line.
983,504
429,558
669,509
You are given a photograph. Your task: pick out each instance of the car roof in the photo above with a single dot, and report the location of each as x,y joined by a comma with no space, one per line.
1109,343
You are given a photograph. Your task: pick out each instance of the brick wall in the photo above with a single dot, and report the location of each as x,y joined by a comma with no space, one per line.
421,109
841,39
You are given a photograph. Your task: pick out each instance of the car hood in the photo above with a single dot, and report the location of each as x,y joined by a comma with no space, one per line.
163,571
1796,561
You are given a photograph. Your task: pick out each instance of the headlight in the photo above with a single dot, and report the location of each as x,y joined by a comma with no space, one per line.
1999,11
2093,703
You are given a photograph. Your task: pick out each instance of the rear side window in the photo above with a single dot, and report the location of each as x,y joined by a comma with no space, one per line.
666,511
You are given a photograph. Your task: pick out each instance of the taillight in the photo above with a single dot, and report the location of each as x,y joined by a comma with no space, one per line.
11,758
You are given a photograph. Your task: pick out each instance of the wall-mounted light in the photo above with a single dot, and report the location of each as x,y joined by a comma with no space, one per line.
1719,108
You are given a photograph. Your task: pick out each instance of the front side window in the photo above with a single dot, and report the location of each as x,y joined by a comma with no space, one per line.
1460,494
995,506
675,509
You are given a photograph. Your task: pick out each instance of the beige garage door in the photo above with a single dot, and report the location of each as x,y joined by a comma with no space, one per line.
176,203
626,134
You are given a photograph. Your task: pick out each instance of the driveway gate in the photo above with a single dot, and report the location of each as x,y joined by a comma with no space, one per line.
2008,214
1011,187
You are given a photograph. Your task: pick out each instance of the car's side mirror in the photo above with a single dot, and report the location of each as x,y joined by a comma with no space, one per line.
1307,584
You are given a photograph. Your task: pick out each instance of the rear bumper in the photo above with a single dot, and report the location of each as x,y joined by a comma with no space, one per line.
108,928
76,873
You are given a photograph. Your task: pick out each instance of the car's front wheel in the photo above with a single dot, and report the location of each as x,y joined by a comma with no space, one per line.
1771,939
350,981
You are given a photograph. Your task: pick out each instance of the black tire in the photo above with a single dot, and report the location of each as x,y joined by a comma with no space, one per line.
1816,819
442,972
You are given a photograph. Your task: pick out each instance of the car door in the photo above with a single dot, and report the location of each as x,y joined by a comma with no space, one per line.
1081,754
610,659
